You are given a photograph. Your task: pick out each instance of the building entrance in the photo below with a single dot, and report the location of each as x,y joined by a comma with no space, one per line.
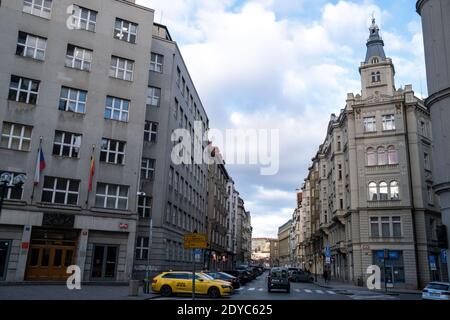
51,252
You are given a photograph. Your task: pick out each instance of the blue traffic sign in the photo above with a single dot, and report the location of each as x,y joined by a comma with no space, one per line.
444,256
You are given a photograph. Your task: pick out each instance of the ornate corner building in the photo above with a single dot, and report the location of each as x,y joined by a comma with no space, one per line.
369,188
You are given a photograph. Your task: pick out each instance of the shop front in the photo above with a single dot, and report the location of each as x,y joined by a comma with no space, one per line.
5,246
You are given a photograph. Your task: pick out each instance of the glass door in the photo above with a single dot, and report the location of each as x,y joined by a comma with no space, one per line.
104,264
4,253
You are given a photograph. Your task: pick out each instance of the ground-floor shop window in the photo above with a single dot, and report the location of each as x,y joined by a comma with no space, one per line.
104,264
393,267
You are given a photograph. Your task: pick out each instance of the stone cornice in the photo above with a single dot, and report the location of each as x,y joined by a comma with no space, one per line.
437,96
419,5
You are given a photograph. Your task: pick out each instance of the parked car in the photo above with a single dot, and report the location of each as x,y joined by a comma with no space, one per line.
301,276
278,279
291,270
436,291
242,275
226,277
168,283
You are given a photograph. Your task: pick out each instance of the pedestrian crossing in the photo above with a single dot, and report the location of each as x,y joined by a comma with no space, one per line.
301,291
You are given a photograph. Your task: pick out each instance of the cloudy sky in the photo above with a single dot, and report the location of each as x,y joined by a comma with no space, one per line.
287,65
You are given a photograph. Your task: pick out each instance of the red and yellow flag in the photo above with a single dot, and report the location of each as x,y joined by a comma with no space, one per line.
91,172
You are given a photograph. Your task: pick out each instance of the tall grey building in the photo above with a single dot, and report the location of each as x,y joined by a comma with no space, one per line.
436,33
74,77
173,188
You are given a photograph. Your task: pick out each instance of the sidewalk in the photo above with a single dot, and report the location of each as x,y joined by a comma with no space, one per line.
345,286
60,292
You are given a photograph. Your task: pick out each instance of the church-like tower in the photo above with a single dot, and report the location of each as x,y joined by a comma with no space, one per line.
377,71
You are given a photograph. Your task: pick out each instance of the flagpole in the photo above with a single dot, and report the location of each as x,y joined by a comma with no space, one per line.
36,168
91,159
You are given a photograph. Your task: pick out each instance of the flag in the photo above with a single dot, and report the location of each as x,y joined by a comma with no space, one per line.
91,172
40,165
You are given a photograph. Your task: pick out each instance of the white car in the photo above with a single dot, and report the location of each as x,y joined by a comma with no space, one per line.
436,291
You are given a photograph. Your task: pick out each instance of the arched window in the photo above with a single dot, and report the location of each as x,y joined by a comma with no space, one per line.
394,190
374,77
378,76
383,191
382,158
392,155
375,60
371,157
373,192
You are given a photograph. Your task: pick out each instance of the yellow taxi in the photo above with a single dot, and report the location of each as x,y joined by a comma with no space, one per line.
168,283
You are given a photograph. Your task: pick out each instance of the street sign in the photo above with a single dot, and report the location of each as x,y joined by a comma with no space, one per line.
327,260
195,241
327,251
198,255
433,266
444,256
365,247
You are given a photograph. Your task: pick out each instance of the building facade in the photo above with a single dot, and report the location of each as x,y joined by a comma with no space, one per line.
173,187
274,260
371,184
436,23
261,250
284,244
72,86
244,234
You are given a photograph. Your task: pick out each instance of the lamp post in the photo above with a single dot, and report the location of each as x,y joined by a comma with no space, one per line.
8,181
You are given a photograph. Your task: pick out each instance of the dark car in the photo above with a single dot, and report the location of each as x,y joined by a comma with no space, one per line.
226,277
301,276
278,279
240,274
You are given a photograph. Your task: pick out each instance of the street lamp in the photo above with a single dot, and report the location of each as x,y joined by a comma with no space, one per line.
8,181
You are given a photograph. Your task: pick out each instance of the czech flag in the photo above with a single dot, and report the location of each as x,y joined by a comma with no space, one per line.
40,165
91,172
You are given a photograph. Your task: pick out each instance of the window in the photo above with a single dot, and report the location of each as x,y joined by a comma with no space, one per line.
175,108
67,144
83,18
121,68
78,58
147,169
388,226
183,86
112,151
430,195
423,128
340,171
60,190
117,109
23,90
394,190
383,191
396,227
426,161
153,96
16,136
376,77
111,196
371,157
31,46
178,76
375,60
370,124
168,212
11,192
156,62
41,8
388,122
150,131
125,30
374,227
385,227
382,157
144,206
73,100
392,155
142,246
373,191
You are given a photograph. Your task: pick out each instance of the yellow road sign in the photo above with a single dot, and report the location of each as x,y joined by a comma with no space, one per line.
195,241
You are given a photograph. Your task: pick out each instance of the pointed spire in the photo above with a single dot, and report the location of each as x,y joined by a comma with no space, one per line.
375,44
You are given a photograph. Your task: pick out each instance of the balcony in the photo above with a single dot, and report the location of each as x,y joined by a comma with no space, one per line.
383,203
